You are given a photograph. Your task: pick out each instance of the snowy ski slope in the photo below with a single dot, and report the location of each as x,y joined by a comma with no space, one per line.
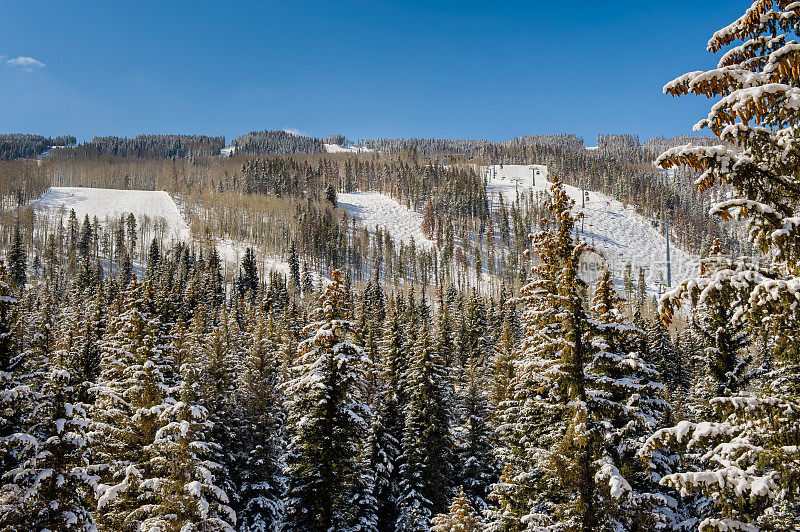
373,209
335,148
109,204
619,233
112,203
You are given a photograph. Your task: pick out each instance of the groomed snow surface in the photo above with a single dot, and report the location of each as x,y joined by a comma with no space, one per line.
373,210
112,203
335,148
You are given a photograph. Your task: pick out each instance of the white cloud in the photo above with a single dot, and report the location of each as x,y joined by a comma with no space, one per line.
293,131
28,64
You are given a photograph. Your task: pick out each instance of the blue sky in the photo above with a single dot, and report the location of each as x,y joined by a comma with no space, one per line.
364,69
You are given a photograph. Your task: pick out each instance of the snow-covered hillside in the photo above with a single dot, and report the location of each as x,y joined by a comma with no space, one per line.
335,148
108,204
111,203
373,209
618,232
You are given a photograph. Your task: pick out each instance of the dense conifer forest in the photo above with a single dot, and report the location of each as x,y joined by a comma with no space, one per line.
476,381
22,146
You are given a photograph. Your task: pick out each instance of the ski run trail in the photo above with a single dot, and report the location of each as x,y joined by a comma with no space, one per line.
109,204
373,210
617,232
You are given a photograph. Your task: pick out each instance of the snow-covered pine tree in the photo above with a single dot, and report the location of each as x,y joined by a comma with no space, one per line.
747,456
153,259
219,357
126,273
260,435
671,362
641,292
247,283
84,243
625,404
535,418
78,342
17,259
294,269
475,345
307,281
462,517
327,421
445,343
371,314
476,466
580,399
330,195
426,467
386,432
724,343
51,487
42,330
14,388
131,394
178,474
213,287
502,370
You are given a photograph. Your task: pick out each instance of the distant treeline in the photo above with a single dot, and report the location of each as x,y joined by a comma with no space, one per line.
23,145
276,143
148,147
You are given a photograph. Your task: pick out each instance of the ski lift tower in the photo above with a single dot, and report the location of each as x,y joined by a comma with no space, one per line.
584,197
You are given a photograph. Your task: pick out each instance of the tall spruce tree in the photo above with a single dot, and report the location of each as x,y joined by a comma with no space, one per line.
535,419
52,486
327,421
294,268
426,472
386,432
307,282
746,455
476,466
260,434
626,403
14,390
179,473
153,258
132,392
462,517
578,396
248,276
17,260
84,244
